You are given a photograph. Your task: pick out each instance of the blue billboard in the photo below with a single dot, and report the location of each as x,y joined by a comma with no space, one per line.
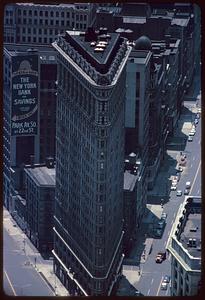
24,106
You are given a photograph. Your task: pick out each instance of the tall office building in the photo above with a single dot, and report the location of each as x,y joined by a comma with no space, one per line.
88,217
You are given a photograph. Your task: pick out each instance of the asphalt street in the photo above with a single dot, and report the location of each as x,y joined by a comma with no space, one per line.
20,278
152,273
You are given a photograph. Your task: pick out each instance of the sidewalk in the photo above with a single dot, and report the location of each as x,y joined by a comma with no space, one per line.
42,266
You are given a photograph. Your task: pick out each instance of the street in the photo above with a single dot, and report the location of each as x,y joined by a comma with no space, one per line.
20,277
152,273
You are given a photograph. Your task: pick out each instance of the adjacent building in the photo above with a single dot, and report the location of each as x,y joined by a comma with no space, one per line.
39,196
29,95
134,204
185,249
37,23
137,105
88,228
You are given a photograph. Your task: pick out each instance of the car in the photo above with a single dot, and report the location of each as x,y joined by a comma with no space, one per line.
173,187
164,216
179,193
192,133
186,192
196,121
199,110
164,285
160,257
197,115
190,138
188,185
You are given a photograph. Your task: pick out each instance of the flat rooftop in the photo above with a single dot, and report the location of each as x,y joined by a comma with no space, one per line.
43,176
190,236
129,181
27,48
180,21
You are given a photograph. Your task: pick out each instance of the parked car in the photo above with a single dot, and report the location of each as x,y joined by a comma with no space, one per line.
196,121
186,192
160,257
164,216
190,138
188,185
192,133
179,193
173,187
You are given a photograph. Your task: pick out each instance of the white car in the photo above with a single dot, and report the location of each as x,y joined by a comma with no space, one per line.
190,138
164,216
192,133
164,286
173,187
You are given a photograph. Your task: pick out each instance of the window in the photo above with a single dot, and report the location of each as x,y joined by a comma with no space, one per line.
137,84
51,13
46,13
39,31
41,13
62,14
68,14
35,12
62,23
57,14
51,22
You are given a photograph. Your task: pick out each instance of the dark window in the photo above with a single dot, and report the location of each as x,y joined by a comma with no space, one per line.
46,13
35,12
30,12
62,23
45,40
39,31
137,84
24,12
57,22
51,22
34,30
68,14
57,14
46,22
29,30
41,13
29,39
62,14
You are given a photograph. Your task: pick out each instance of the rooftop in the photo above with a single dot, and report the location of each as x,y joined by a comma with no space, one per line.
129,181
43,176
27,48
90,45
180,21
190,236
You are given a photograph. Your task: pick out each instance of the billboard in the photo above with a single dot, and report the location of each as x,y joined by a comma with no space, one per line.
24,106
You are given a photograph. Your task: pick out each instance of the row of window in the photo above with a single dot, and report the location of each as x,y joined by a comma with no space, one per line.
51,14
